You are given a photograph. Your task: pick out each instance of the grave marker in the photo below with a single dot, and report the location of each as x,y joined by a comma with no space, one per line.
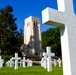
21,63
45,60
65,19
7,63
11,63
42,62
16,58
59,62
49,65
55,63
24,62
29,63
1,62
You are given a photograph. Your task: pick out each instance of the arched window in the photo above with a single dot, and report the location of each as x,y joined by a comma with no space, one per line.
35,23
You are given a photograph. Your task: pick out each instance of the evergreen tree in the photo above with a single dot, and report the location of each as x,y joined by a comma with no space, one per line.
10,38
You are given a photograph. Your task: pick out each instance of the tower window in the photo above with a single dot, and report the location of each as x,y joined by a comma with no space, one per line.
35,23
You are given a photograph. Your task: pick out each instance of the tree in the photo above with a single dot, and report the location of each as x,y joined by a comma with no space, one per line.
10,41
51,38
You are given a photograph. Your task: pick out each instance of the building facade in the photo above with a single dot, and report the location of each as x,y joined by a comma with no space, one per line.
32,37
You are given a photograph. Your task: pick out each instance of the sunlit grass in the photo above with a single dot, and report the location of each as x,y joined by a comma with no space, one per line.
34,70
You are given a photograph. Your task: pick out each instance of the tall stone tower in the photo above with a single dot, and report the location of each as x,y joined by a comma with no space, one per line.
32,37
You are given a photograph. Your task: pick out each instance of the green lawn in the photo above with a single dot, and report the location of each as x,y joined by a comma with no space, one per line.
34,70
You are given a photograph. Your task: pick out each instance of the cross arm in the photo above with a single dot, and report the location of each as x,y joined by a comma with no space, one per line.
65,5
52,17
19,58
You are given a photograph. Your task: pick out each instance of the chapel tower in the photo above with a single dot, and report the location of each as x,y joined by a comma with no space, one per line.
32,37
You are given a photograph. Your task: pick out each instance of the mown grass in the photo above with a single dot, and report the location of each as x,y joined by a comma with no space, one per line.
34,70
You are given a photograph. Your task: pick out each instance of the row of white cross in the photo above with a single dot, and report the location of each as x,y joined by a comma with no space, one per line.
14,62
57,62
46,61
22,62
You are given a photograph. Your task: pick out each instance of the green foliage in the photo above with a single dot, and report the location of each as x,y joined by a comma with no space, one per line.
10,38
51,38
34,70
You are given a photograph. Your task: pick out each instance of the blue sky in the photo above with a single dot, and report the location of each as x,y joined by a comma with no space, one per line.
26,8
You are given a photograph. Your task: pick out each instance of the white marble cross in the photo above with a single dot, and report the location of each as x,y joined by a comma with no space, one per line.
49,64
21,63
11,63
1,62
16,58
43,63
29,63
24,62
55,62
44,60
59,62
65,19
48,54
8,63
52,54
